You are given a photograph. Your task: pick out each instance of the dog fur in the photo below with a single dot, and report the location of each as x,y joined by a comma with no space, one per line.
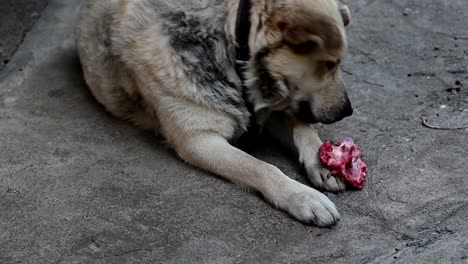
169,66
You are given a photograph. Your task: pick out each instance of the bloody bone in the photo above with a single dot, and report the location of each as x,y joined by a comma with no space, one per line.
344,159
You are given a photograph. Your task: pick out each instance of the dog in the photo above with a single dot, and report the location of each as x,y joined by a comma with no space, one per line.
202,73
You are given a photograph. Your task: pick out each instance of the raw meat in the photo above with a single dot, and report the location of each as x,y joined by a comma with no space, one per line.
344,159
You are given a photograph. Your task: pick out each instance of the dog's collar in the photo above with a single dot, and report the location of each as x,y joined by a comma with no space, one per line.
242,32
243,25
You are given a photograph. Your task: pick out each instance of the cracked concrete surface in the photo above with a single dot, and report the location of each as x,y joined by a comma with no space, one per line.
78,186
17,17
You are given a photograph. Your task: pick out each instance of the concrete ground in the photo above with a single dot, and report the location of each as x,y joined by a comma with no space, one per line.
17,18
78,186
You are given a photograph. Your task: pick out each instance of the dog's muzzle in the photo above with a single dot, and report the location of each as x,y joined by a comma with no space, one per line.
306,114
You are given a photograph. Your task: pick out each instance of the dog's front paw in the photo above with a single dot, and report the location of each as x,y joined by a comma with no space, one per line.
311,206
321,178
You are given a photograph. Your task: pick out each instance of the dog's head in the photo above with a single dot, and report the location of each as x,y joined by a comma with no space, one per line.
296,56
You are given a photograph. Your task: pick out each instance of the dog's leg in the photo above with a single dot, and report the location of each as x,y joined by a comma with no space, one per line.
305,141
213,153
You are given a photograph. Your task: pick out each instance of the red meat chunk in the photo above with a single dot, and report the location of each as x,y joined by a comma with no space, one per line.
344,159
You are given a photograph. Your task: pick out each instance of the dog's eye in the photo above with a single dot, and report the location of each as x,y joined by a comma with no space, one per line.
331,65
304,48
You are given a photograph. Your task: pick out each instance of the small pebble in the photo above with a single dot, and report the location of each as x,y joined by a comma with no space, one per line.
456,90
407,11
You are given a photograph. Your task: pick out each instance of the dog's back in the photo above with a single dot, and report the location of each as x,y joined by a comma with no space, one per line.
172,46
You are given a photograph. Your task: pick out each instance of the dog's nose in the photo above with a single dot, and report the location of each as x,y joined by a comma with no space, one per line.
347,110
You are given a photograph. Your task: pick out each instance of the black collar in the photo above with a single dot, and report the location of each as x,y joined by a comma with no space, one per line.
243,31
243,25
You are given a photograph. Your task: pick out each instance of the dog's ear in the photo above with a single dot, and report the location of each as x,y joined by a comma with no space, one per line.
345,13
306,32
297,34
301,41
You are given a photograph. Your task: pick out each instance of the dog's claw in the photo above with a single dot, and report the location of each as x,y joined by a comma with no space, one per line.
321,178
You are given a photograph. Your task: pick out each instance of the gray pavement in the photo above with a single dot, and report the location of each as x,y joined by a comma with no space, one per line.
16,18
78,186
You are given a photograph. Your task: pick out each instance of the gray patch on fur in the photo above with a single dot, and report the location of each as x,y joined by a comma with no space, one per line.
208,56
264,81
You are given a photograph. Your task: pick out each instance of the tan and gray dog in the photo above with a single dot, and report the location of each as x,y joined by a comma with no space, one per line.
170,66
